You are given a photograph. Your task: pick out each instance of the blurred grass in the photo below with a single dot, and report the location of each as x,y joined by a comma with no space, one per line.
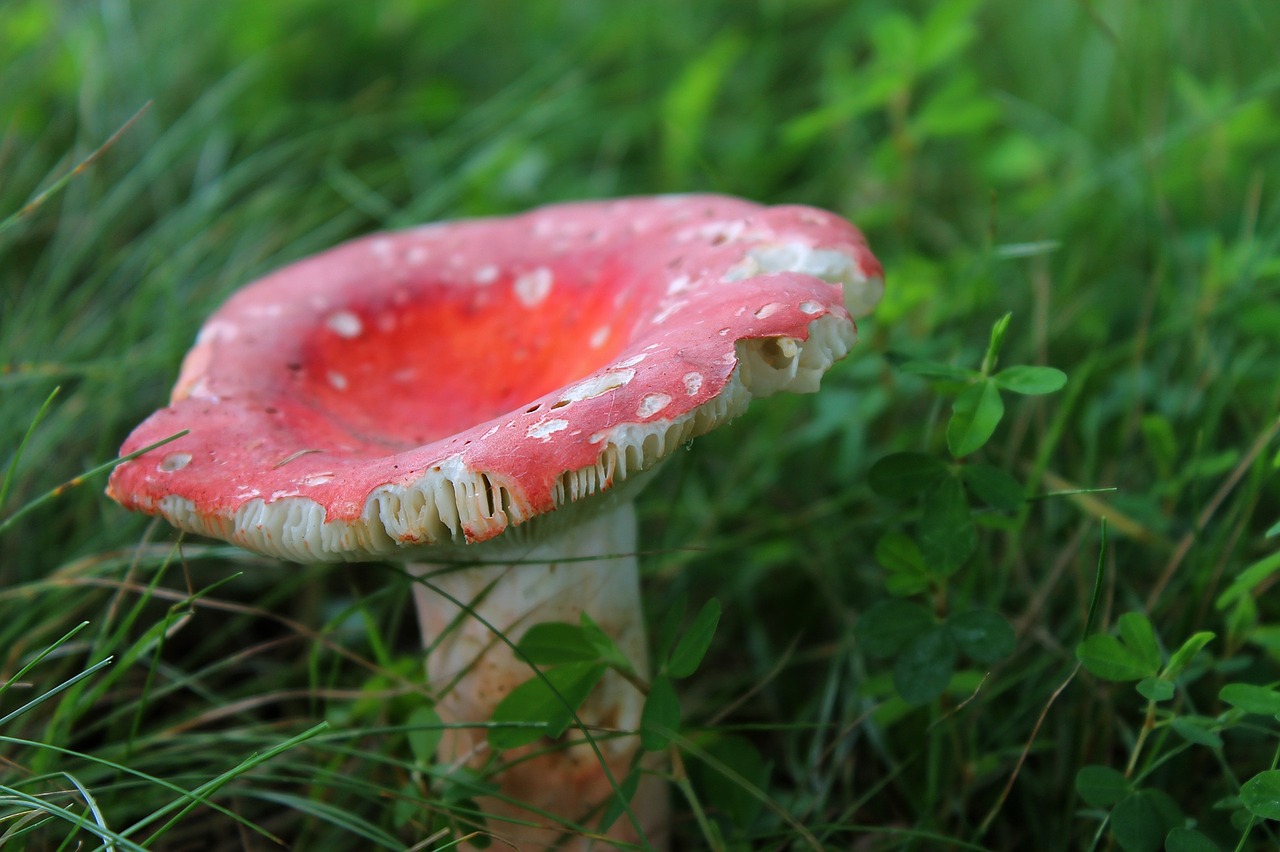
1105,171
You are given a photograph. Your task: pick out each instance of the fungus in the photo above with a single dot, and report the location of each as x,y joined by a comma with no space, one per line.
495,392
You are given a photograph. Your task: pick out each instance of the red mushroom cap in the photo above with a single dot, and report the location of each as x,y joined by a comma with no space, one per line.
443,384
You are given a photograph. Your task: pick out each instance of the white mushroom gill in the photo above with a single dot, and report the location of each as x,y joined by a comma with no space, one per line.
772,364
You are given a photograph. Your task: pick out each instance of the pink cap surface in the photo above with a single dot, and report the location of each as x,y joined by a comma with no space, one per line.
442,384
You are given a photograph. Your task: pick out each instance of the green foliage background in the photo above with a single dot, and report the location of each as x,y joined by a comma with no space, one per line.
1106,171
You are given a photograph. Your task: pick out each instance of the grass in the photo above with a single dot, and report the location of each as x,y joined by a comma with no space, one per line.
1104,171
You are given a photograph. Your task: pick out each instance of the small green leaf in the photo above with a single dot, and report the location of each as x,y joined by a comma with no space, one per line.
424,734
537,702
946,533
956,108
603,644
669,627
1184,655
727,763
1104,656
1030,380
1189,840
982,635
1101,786
661,715
994,487
1136,632
1261,794
974,417
900,557
938,370
1262,700
998,331
1198,730
693,645
1249,579
1155,689
904,475
551,643
924,668
1141,820
889,626
407,805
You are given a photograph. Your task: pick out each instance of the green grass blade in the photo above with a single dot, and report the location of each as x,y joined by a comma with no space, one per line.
36,702
22,445
54,493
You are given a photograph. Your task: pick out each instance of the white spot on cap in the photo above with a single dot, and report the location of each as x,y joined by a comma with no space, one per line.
692,383
652,404
599,336
665,314
546,428
533,287
217,330
769,310
596,385
337,381
632,361
678,285
200,390
811,307
404,375
318,478
486,274
345,324
382,248
174,461
416,256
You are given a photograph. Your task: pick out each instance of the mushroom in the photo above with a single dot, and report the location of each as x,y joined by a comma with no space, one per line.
493,393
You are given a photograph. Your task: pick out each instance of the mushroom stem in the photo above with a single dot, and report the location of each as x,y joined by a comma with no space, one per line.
590,568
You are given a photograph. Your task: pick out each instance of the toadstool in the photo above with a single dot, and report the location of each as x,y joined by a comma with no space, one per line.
494,392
